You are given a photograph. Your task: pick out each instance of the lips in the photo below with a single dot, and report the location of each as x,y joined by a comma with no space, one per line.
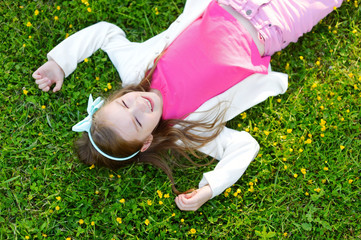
150,103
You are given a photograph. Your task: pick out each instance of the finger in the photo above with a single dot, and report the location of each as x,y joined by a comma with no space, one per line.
43,85
46,89
57,86
190,195
36,74
42,81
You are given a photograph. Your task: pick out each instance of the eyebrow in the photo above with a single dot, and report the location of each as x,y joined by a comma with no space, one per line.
133,118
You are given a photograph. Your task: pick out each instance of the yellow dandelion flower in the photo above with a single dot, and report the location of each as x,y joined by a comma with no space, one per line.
182,220
279,100
238,190
255,129
25,92
92,166
166,195
149,202
27,237
192,231
301,57
317,190
239,125
122,200
96,192
342,147
58,198
314,85
43,107
247,129
287,66
92,223
36,12
58,8
291,150
319,98
251,189
295,175
348,110
285,234
160,202
310,181
57,208
109,86
322,135
325,168
323,180
354,31
266,132
306,193
226,194
323,122
56,18
81,221
105,89
322,107
228,190
289,130
318,63
308,141
70,26
243,115
119,220
66,35
323,129
350,181
160,194
89,9
97,78
29,24
86,60
44,235
303,171
111,175
284,159
173,214
146,222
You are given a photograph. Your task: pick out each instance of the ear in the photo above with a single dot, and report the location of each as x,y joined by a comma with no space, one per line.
147,143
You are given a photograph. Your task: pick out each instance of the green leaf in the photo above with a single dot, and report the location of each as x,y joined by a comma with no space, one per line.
306,226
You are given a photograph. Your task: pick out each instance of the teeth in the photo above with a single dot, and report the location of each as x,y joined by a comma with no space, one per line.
149,104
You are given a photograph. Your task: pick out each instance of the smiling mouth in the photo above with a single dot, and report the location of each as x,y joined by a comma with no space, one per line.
149,104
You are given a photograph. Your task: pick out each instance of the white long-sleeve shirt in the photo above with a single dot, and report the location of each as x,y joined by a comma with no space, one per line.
234,150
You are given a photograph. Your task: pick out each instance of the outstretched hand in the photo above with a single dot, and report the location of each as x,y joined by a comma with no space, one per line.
48,74
194,200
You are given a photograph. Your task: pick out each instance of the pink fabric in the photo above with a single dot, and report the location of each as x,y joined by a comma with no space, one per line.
214,53
282,21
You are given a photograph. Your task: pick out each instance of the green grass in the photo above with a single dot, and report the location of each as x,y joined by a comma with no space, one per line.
45,191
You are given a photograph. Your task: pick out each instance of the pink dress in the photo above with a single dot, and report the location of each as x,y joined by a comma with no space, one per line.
211,55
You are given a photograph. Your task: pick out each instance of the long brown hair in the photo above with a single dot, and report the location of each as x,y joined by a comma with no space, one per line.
165,151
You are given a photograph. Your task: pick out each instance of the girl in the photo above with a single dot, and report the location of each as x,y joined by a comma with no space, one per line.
211,64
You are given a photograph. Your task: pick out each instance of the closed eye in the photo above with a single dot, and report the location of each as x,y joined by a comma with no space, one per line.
125,105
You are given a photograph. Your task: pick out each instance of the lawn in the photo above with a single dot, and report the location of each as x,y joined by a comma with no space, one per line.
304,183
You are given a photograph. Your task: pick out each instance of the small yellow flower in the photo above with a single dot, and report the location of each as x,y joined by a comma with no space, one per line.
303,171
323,180
166,195
295,175
44,235
122,200
160,194
239,125
279,100
308,141
323,122
250,183
325,168
284,159
43,107
287,66
160,202
319,98
334,8
342,147
291,150
92,166
96,192
192,231
323,129
285,234
70,26
105,89
89,9
301,57
318,63
266,132
57,208
182,220
58,198
251,189
81,221
322,107
66,35
119,220
36,12
92,223
146,222
350,181
285,167
58,7
86,60
289,130
56,18
255,129
149,202
109,86
228,190
25,91
27,237
226,194
97,78
243,115
173,214
317,190
322,135
354,31
29,24
306,193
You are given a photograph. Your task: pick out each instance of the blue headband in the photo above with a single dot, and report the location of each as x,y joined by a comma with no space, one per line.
85,125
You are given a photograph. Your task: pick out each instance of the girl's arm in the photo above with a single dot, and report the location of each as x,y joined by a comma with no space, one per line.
235,150
66,55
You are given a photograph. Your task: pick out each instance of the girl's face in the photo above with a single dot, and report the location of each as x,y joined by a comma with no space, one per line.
134,115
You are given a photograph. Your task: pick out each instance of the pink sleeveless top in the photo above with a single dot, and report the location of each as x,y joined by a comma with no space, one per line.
211,55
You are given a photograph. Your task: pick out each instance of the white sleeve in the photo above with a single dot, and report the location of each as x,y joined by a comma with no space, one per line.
83,44
235,150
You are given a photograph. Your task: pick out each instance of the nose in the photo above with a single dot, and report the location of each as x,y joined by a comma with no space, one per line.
139,106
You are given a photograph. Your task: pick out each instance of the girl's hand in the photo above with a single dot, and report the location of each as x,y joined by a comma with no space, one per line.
48,74
194,200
